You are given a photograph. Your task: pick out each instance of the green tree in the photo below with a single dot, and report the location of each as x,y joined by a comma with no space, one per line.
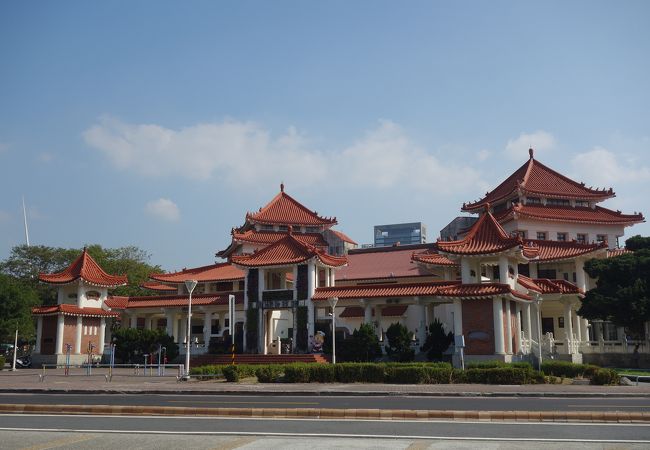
437,341
622,293
16,302
399,343
131,344
362,346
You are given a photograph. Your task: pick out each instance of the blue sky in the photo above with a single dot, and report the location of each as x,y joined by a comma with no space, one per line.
160,124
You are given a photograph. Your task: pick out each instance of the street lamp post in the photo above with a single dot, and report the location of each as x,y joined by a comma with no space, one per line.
190,285
332,301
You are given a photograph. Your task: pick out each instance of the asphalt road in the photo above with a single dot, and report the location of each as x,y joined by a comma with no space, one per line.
366,429
625,404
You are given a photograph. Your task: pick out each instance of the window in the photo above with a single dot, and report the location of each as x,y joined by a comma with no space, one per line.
581,238
521,233
533,201
560,322
283,228
557,202
541,235
267,228
547,273
311,230
600,238
582,203
562,237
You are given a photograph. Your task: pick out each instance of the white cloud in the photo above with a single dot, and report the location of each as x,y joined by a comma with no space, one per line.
540,141
163,208
604,168
246,154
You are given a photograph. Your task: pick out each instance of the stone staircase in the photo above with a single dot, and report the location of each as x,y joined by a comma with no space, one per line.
246,358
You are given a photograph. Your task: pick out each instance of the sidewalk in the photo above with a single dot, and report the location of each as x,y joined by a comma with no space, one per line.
124,382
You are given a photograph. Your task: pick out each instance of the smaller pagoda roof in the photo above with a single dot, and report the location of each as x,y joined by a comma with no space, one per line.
578,214
72,310
270,237
486,237
211,273
433,258
86,269
561,250
285,210
288,251
154,286
535,179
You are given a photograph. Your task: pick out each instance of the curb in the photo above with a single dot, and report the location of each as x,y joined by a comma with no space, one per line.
331,413
330,393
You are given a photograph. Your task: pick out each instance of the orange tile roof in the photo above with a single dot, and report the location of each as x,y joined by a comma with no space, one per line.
486,236
535,179
556,286
285,210
393,310
382,262
559,250
162,301
453,289
433,258
288,250
72,310
117,301
354,311
153,286
270,237
579,214
211,273
528,283
85,268
344,237
617,252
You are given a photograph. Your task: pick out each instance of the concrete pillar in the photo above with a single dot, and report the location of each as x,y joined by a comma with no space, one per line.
465,271
477,270
581,279
244,342
508,328
81,292
422,324
39,334
207,327
102,336
260,316
528,326
568,328
458,317
519,328
497,317
333,277
311,288
77,344
133,321
148,322
578,327
183,331
503,269
584,329
60,326
171,317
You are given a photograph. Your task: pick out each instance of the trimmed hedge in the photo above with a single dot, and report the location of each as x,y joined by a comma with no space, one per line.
605,376
569,370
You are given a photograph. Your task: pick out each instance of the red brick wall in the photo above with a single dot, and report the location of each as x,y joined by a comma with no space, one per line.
70,332
48,335
478,327
90,323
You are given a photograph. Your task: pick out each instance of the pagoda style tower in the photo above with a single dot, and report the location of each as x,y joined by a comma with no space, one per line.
77,323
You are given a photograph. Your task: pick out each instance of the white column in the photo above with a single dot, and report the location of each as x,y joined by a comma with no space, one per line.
528,322
458,317
568,328
477,270
422,324
183,332
508,328
261,328
207,327
578,328
102,335
581,280
311,288
177,336
81,292
332,277
39,334
503,269
497,314
584,329
133,321
77,344
465,271
367,311
533,270
244,342
60,327
147,322
169,328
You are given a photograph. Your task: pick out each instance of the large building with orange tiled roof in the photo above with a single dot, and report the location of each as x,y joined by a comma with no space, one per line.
510,284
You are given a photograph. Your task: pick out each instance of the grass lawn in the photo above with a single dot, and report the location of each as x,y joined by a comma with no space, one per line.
641,372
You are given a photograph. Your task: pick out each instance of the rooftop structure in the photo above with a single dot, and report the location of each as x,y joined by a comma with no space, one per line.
400,234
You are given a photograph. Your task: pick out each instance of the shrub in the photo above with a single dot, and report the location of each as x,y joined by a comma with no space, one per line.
437,342
363,345
322,373
499,375
435,375
131,344
568,370
605,376
231,373
268,373
399,343
296,373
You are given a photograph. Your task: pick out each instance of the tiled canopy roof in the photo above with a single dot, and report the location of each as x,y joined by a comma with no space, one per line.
558,250
528,283
433,258
382,262
153,286
578,214
211,273
85,268
285,210
617,252
556,286
270,237
394,310
344,237
535,179
452,289
486,237
163,301
72,310
288,250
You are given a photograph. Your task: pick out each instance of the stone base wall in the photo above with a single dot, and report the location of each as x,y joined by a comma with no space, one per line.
622,360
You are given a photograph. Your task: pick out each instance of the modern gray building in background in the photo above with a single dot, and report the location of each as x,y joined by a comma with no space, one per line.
402,233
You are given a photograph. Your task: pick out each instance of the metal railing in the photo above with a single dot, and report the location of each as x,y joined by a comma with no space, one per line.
108,371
